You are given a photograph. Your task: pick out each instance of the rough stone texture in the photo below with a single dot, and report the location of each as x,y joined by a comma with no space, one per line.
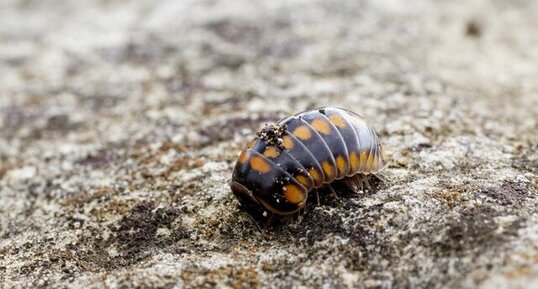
120,123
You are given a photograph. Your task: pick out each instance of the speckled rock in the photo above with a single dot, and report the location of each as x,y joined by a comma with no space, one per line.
119,125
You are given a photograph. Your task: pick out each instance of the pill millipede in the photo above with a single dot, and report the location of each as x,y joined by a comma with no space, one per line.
302,153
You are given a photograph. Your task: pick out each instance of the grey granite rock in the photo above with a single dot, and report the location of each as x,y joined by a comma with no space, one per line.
120,123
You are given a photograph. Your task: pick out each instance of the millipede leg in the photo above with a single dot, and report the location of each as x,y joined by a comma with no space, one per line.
333,192
270,218
380,177
358,185
255,223
365,179
299,214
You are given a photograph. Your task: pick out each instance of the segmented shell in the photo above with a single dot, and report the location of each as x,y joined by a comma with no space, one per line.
287,160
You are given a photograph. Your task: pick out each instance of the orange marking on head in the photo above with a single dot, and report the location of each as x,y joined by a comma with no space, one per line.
321,125
341,165
302,132
327,169
287,142
303,180
243,157
271,152
294,194
354,161
260,165
338,120
315,175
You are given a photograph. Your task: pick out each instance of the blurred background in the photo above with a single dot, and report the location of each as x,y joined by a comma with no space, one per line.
120,122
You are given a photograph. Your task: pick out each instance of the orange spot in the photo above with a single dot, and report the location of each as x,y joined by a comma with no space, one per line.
328,170
338,120
302,132
370,162
251,143
355,162
260,165
243,157
342,165
321,125
315,175
294,194
287,142
364,159
303,180
271,152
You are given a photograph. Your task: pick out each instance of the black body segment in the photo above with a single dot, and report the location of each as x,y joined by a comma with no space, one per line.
304,156
341,121
271,186
311,139
331,136
368,144
287,160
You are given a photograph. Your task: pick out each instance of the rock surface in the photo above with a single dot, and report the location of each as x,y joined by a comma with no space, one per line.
120,123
